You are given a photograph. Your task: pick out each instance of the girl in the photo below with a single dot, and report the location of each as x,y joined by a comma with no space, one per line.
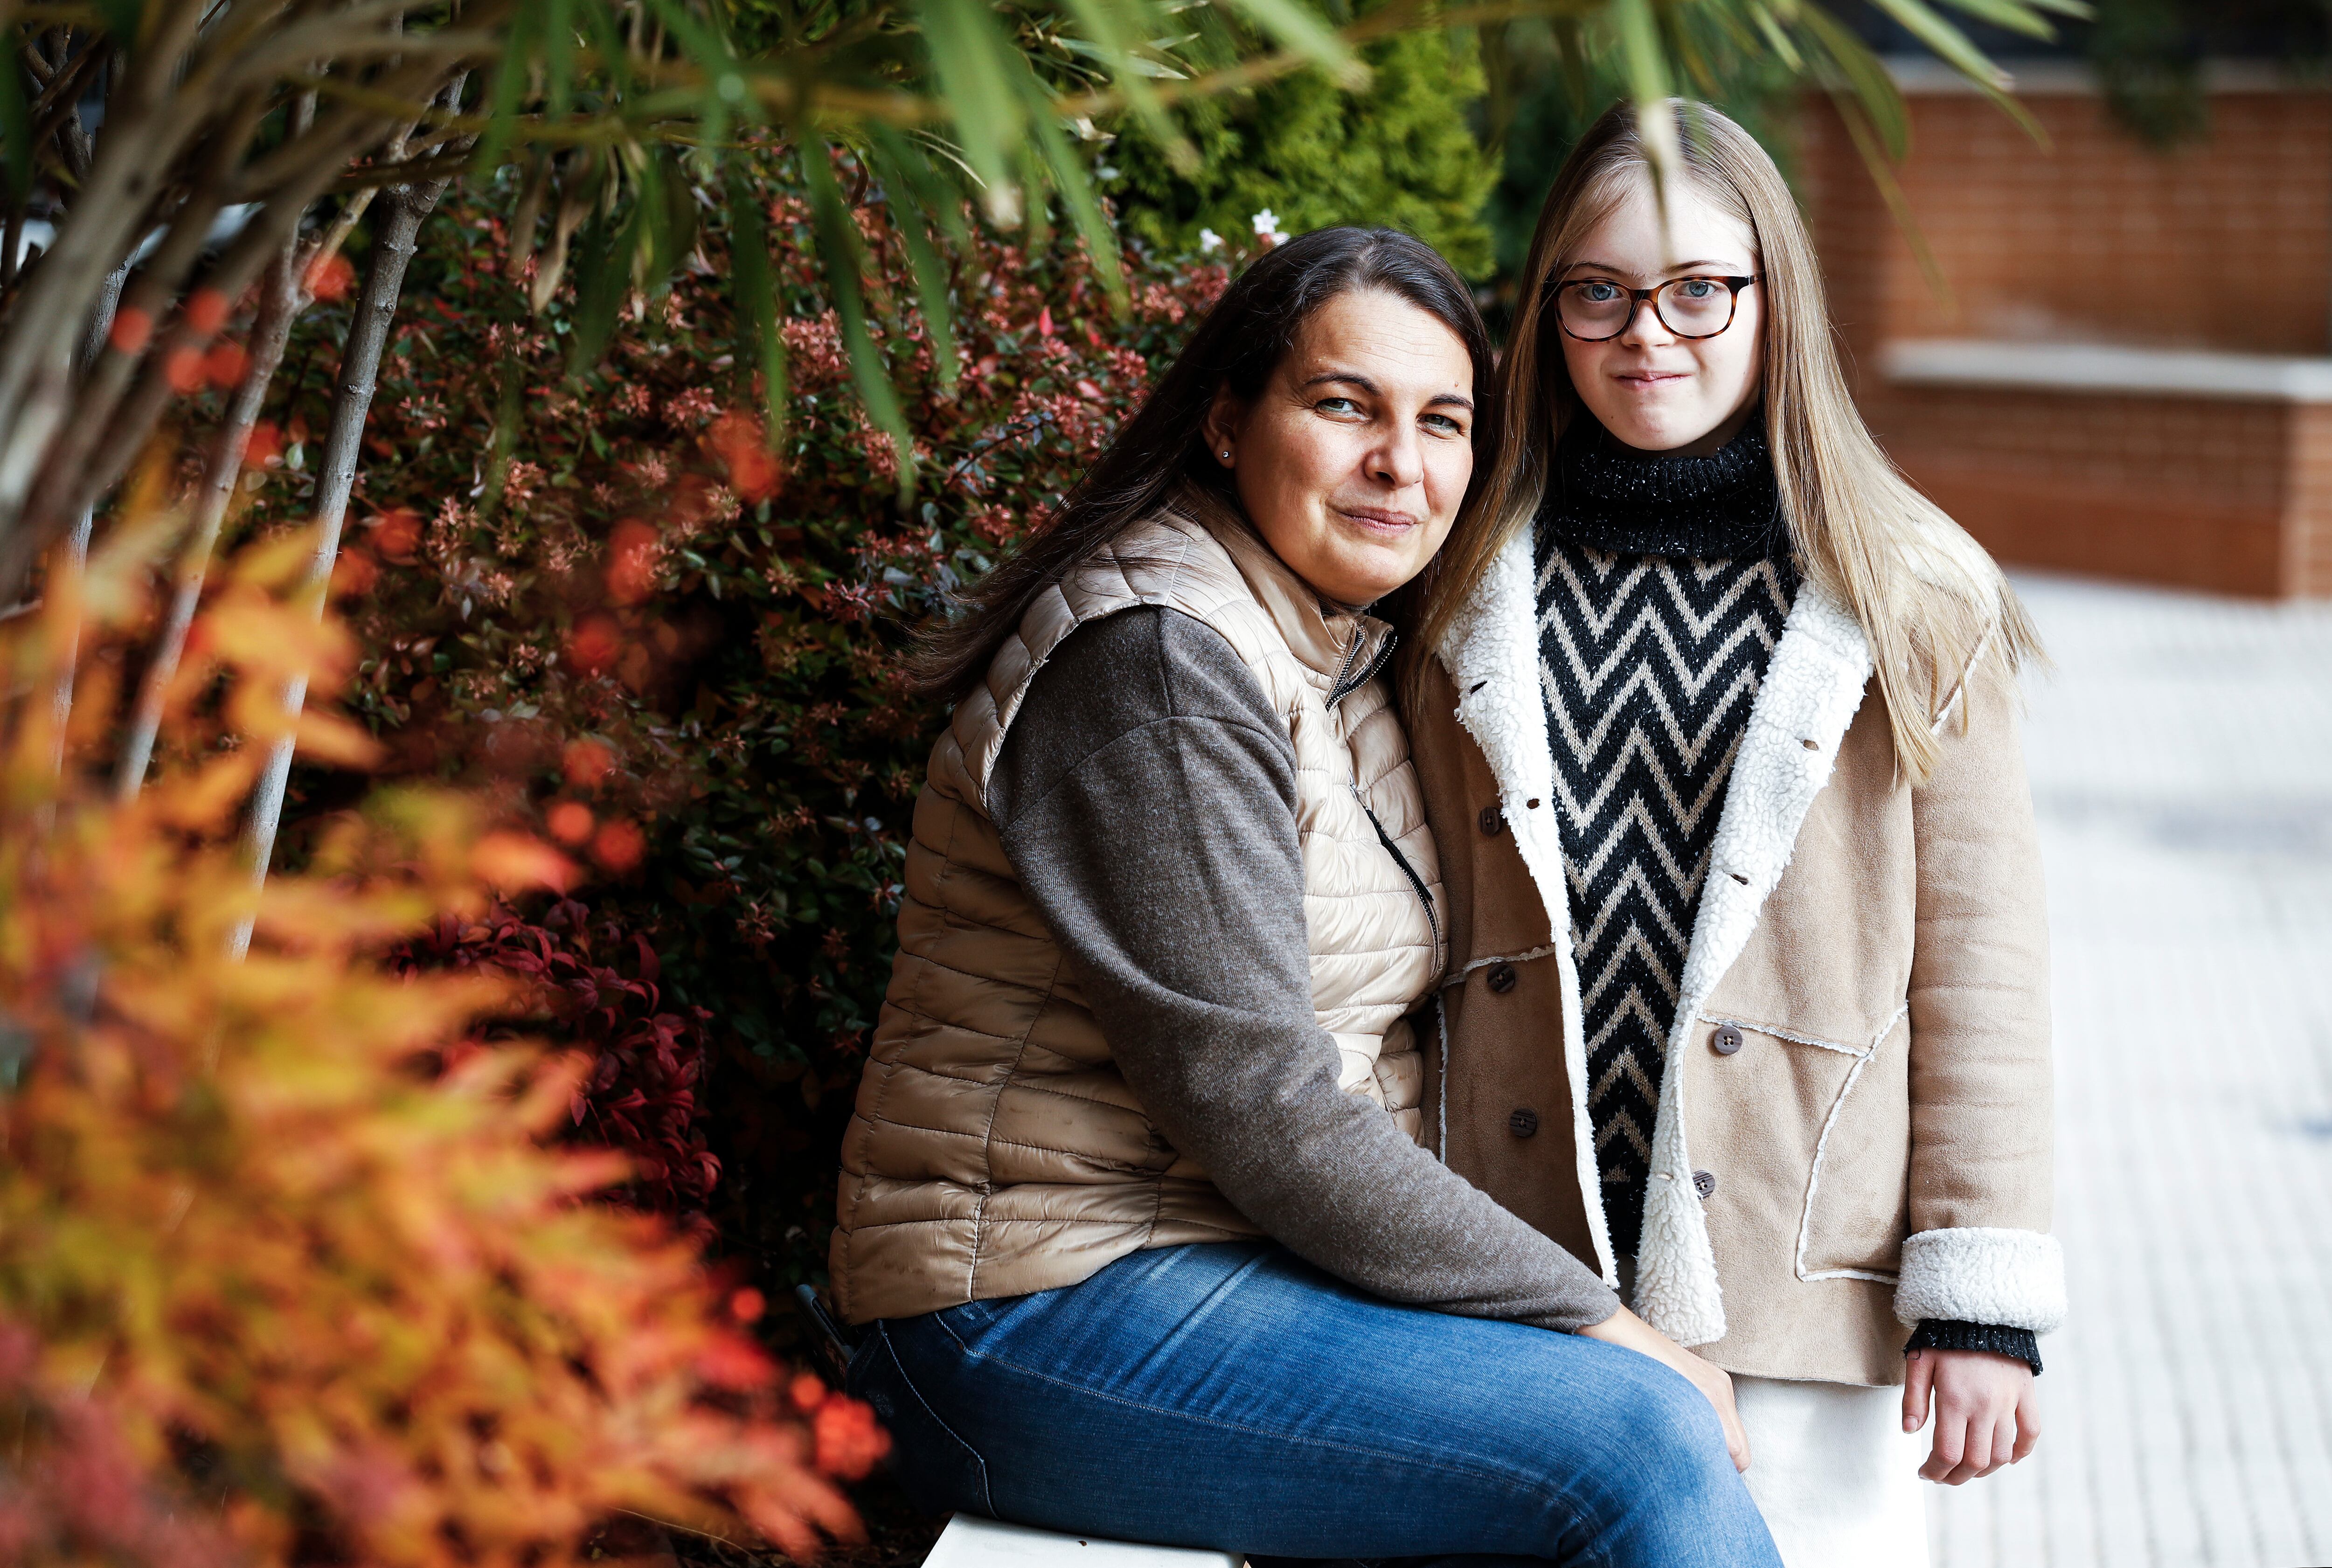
1130,1201
1747,1000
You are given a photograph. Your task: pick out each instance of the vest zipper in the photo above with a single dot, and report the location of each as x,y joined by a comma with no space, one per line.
1347,681
1424,895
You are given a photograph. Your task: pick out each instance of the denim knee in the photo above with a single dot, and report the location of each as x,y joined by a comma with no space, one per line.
1678,1427
1677,1499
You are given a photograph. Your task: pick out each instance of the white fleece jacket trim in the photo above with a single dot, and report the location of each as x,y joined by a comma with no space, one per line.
1813,684
1984,1273
1491,652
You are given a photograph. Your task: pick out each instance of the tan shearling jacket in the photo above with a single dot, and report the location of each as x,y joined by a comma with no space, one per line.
1854,1122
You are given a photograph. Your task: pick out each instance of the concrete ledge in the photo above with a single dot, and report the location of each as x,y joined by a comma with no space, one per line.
2104,367
970,1542
2044,77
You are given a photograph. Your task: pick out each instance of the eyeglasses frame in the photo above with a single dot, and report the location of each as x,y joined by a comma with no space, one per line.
1638,298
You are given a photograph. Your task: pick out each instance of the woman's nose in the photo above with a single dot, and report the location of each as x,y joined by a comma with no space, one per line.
1398,460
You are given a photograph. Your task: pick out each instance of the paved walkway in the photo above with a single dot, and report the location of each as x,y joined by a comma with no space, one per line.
2182,762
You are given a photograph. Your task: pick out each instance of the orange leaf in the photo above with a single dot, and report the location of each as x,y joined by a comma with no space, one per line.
516,862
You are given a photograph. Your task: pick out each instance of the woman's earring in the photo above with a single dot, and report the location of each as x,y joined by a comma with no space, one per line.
1226,455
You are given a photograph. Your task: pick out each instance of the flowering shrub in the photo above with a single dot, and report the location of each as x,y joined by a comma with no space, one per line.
613,605
288,1274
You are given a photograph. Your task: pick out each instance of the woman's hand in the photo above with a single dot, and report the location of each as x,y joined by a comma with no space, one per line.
1986,1413
1625,1328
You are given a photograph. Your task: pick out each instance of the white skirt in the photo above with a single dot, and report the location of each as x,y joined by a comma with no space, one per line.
1835,1474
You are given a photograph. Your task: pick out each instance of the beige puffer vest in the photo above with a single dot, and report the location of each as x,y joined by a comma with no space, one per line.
995,1149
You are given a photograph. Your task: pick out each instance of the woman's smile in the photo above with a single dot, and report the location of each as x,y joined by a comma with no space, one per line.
1379,523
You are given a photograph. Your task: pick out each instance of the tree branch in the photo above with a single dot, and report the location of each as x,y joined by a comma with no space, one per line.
394,244
282,296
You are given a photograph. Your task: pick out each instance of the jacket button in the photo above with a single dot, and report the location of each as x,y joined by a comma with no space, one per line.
1726,1040
1494,821
1704,1182
1523,1122
1501,977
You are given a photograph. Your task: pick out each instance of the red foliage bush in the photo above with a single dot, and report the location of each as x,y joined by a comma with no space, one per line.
641,1096
624,567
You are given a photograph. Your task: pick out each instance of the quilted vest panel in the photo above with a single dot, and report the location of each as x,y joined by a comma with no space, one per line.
994,1148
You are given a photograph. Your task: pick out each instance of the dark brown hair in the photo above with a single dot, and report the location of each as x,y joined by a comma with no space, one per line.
1163,449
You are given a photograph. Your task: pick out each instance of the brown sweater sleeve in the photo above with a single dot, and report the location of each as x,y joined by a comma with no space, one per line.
1146,796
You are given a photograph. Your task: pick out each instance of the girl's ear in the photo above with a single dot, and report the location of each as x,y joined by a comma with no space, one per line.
1221,427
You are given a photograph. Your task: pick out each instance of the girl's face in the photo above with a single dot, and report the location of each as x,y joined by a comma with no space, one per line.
1651,389
1352,461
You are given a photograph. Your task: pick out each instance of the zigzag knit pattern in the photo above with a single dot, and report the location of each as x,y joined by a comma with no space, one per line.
1649,664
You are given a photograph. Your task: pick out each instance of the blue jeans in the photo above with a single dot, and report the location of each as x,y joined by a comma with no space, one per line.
1230,1396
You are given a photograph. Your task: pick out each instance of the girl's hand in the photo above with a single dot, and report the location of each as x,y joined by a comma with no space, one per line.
1986,1413
1625,1328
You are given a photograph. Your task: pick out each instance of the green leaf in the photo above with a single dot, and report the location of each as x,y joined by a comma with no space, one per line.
1038,228
1113,29
1865,75
913,189
1778,41
603,275
1948,43
1084,210
975,63
557,57
2023,16
1890,191
670,211
1954,49
1295,27
511,78
724,77
123,21
838,248
761,336
508,416
1643,64
607,41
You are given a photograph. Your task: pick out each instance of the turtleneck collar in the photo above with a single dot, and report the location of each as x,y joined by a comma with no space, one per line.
1612,497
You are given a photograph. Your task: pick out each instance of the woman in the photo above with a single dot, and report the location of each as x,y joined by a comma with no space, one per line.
1132,1198
1747,1004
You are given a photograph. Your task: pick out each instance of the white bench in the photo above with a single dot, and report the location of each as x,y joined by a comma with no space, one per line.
970,1542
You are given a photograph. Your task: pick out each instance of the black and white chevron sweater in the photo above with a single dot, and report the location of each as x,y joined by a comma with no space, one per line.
1663,585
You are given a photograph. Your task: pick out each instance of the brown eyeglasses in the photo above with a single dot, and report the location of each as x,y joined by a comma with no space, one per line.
1597,310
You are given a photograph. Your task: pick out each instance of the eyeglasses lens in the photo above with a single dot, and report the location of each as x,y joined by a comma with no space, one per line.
1688,306
1695,307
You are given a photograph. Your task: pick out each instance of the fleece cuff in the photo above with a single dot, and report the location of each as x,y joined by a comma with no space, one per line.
1977,1274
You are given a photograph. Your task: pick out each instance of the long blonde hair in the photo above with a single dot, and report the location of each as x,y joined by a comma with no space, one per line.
1928,598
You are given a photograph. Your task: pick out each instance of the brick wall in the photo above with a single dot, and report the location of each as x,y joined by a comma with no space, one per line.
2225,246
2182,489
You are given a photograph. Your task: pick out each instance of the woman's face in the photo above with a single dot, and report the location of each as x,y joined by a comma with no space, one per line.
1352,461
1651,389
